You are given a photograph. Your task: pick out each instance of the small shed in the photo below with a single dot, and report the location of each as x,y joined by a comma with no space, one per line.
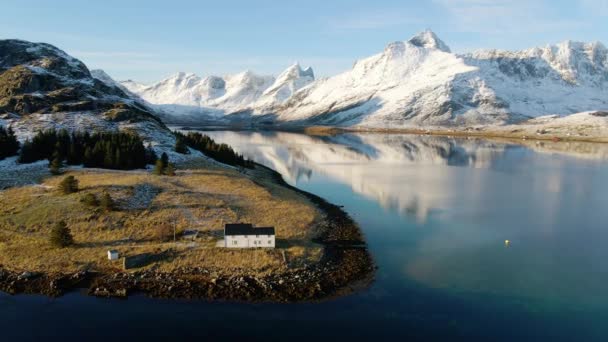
113,255
190,235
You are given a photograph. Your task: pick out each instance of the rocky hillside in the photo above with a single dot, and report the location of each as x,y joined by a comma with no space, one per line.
413,83
43,87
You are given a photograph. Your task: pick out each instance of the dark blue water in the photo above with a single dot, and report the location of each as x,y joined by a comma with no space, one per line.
436,213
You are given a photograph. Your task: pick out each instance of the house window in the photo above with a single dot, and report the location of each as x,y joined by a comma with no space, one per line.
235,242
269,242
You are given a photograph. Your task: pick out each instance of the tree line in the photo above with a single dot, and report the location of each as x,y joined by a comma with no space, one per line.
220,152
109,150
9,145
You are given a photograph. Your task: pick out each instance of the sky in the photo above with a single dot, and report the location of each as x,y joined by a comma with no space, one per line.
149,40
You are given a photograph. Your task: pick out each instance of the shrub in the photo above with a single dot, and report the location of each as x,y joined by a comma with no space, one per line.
90,200
170,170
106,202
61,236
69,185
165,232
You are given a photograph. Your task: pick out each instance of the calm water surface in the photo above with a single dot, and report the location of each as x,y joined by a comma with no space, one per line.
436,213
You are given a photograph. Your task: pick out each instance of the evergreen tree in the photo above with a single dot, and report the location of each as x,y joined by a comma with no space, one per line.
158,168
27,153
180,145
151,156
115,150
61,236
69,185
164,158
55,166
106,202
220,152
9,145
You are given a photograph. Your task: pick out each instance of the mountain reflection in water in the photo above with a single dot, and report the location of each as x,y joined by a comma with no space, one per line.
405,173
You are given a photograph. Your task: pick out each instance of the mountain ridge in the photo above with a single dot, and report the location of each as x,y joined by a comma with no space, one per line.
42,87
421,83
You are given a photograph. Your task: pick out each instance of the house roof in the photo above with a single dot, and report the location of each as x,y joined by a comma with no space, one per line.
247,229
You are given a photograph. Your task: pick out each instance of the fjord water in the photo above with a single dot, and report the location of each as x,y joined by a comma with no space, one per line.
472,238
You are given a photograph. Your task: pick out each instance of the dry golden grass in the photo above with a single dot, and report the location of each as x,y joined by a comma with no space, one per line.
202,197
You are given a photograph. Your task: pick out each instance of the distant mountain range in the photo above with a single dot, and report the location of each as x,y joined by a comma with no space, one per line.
413,83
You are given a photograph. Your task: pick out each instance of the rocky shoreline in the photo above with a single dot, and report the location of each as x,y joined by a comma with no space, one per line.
345,266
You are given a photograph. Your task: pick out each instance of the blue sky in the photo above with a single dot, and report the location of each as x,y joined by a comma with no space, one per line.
148,40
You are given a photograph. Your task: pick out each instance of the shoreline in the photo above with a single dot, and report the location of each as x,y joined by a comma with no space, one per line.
345,267
512,132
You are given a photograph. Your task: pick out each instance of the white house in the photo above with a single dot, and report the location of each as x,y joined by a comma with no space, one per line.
242,235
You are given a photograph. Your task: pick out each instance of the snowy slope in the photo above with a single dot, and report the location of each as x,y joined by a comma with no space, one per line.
286,84
413,83
420,83
186,94
408,81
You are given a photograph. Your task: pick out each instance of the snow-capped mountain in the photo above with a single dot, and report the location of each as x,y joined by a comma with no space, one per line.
288,82
42,87
420,82
413,83
190,96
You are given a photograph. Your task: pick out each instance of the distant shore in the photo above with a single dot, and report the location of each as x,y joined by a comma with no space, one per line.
582,127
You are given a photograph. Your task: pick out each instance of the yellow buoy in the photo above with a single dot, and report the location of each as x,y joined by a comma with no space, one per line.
507,243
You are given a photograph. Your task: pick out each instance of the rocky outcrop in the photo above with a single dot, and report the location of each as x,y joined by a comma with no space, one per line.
38,78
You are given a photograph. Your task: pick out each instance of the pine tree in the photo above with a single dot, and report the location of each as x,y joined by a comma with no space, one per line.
27,154
180,146
9,145
61,236
106,202
69,185
164,158
107,150
55,166
158,168
151,156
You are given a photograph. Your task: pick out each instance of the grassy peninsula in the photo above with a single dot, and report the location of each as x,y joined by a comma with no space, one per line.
150,215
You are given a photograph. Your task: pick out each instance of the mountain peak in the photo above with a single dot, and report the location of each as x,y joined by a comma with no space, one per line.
296,70
428,39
